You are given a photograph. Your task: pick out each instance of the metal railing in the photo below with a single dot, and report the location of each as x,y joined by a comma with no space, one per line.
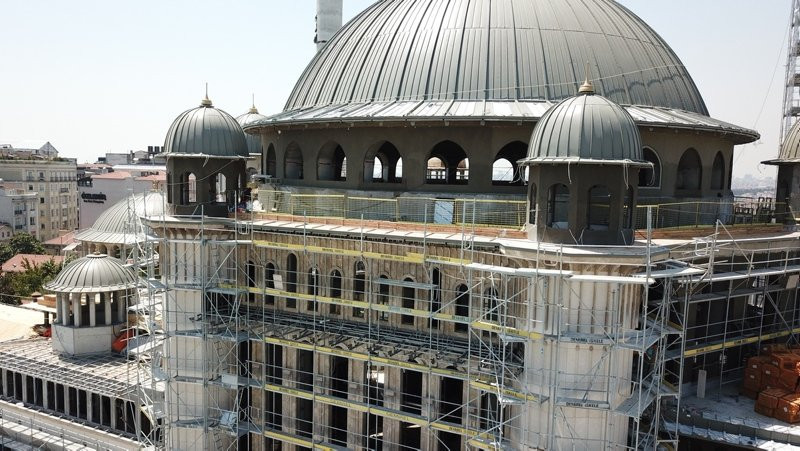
509,213
480,212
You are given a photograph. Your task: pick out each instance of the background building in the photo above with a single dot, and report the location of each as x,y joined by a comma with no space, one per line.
54,182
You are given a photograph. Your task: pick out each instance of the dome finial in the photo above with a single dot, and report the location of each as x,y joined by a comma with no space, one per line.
206,101
586,87
253,108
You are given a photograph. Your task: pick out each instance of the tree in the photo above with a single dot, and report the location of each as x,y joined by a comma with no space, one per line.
21,243
15,285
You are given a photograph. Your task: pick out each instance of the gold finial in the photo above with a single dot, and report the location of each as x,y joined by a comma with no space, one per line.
253,108
206,101
586,87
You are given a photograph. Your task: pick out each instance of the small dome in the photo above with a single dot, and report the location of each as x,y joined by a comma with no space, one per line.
790,149
122,222
207,132
93,274
586,128
253,141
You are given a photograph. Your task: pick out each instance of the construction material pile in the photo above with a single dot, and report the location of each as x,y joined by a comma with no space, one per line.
772,380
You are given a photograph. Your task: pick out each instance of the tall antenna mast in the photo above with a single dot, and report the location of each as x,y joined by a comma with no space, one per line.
791,97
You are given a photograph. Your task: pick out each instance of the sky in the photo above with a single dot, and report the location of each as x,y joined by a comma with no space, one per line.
95,76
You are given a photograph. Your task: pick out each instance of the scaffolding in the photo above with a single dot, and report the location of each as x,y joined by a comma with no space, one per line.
791,96
299,334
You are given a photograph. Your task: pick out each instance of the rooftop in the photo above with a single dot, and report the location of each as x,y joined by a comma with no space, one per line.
16,263
116,175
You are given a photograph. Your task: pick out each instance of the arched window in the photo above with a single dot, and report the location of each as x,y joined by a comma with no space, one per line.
291,279
629,209
251,280
436,296
269,167
336,290
690,171
409,298
293,162
189,188
532,204
220,187
650,177
447,163
462,306
505,170
490,304
383,296
599,212
718,172
269,282
383,164
313,288
359,287
558,207
332,163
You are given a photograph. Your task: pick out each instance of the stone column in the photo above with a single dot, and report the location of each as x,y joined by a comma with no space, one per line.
355,419
321,414
63,308
107,308
113,413
392,397
76,309
45,401
90,301
121,298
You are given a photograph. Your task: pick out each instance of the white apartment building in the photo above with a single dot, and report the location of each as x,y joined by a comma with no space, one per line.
54,181
19,209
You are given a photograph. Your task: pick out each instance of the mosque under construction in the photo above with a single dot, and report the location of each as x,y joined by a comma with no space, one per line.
476,224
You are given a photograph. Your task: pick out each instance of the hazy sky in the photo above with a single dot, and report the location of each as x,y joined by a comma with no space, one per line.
99,76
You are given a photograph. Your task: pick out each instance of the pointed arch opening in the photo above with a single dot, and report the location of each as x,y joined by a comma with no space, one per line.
269,165
650,177
599,211
558,206
332,162
447,164
188,188
293,162
690,171
383,164
505,170
718,172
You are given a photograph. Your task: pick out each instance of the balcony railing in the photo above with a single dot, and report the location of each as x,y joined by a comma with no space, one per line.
510,214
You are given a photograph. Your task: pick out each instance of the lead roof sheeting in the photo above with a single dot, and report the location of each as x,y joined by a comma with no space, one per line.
495,50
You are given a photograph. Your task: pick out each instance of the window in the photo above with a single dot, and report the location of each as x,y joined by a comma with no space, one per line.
270,166
188,188
690,171
718,172
332,163
599,212
313,288
269,282
505,170
650,177
558,207
409,296
291,279
336,290
629,209
383,164
293,162
448,164
532,204
490,304
462,306
383,297
358,287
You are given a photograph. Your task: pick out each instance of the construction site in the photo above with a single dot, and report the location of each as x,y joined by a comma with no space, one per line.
433,261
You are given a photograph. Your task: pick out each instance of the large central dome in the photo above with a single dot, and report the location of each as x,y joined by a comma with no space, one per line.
499,50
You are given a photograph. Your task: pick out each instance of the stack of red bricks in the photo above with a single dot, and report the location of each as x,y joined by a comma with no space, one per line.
772,380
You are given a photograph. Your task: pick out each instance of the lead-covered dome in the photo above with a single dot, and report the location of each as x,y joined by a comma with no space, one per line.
122,222
586,128
93,274
790,148
438,50
253,141
205,131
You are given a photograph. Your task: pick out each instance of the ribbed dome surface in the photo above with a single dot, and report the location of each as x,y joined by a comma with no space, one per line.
122,222
205,131
423,50
586,127
253,141
92,274
790,149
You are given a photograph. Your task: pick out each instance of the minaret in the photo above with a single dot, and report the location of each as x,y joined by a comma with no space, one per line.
329,20
791,96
